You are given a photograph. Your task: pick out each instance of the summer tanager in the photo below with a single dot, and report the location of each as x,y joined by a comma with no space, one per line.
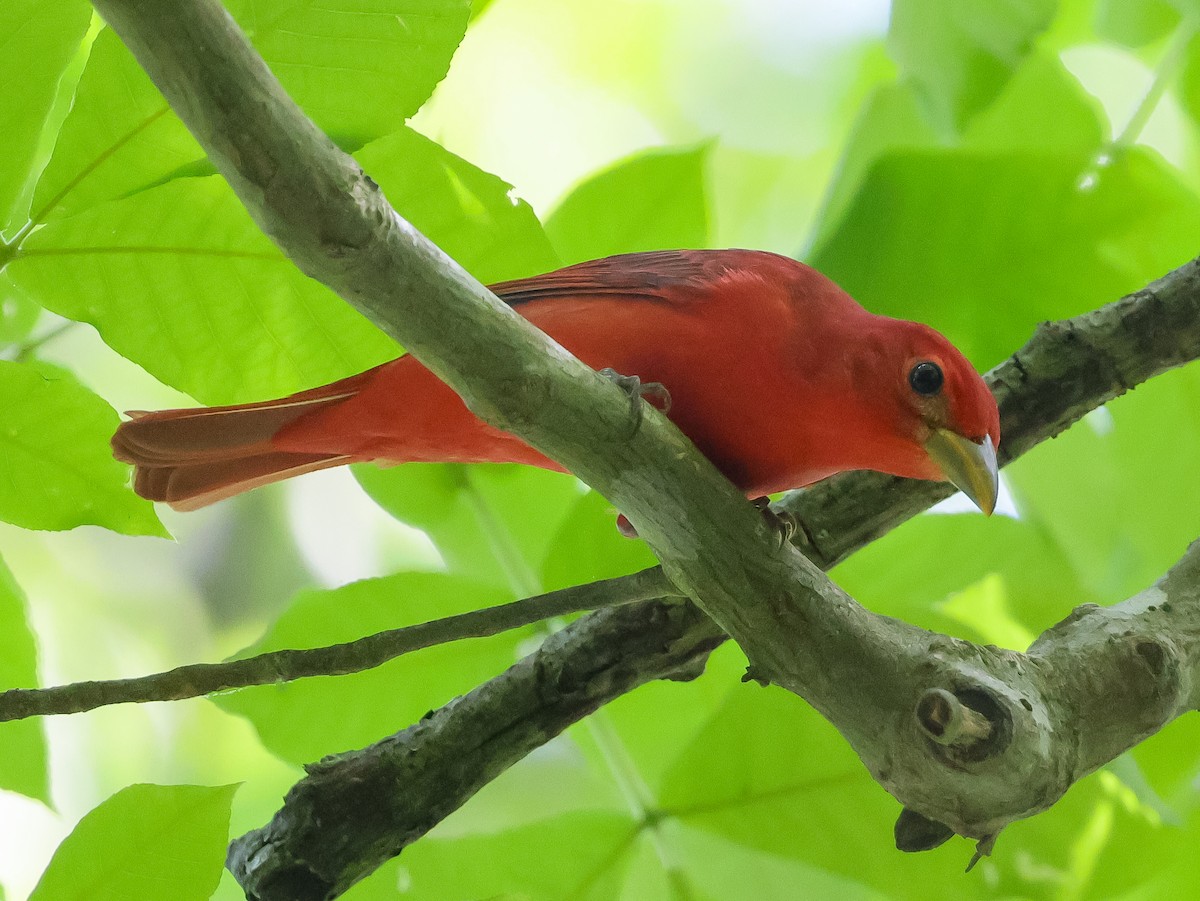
773,371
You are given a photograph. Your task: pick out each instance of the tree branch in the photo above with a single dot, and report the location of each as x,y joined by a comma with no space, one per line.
198,679
1095,685
1065,370
354,811
332,220
1042,389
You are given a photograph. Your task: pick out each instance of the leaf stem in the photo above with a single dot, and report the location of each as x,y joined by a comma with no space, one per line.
1168,68
615,754
521,578
33,345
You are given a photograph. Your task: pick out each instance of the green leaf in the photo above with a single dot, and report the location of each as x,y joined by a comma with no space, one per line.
1139,861
18,314
119,136
145,842
983,606
485,520
587,547
1127,769
37,40
474,216
1042,107
1118,848
180,280
1074,24
767,773
913,571
359,67
1170,760
305,720
478,7
891,120
1135,23
556,779
961,54
654,200
1189,81
656,724
23,764
1121,508
985,245
200,299
654,876
733,872
59,471
580,856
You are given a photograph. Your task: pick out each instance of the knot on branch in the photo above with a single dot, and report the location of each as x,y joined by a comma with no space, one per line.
973,748
1153,655
1149,681
966,726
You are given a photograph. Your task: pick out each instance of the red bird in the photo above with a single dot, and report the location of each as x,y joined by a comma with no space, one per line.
773,371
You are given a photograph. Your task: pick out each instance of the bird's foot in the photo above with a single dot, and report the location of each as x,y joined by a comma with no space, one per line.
786,525
625,527
655,393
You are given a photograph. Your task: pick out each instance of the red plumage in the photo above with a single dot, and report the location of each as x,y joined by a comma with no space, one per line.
774,372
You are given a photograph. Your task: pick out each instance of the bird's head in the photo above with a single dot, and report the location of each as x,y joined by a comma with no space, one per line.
941,409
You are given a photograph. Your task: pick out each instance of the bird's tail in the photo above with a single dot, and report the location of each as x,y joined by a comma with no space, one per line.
192,458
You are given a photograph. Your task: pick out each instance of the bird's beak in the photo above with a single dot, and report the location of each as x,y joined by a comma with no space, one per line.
970,466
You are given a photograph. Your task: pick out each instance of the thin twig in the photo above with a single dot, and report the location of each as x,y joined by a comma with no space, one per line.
198,679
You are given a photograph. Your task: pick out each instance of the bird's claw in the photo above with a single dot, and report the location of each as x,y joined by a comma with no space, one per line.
625,527
638,391
658,395
655,393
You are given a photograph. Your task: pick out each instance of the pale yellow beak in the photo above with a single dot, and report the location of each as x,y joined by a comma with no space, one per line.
971,467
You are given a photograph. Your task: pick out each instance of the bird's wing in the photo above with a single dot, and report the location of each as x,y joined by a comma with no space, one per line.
657,275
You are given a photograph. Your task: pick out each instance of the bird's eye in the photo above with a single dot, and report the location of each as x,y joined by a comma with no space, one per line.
926,378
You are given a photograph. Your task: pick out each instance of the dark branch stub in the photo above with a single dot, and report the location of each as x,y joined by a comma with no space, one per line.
916,832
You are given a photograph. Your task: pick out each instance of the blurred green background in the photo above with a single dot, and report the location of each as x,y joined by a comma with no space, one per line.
980,165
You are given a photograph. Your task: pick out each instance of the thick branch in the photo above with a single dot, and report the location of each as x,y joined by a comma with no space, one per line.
1088,689
355,811
1059,378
